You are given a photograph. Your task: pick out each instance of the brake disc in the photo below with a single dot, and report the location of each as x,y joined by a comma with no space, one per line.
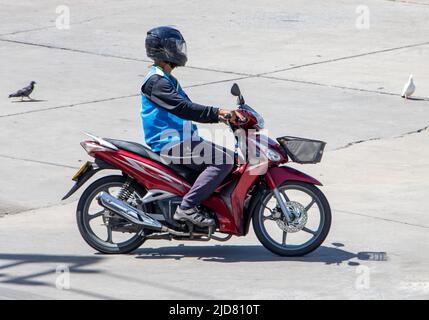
299,220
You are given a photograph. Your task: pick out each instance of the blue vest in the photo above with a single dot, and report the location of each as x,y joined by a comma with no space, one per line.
162,128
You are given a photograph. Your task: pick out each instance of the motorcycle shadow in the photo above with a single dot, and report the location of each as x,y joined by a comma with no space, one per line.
248,253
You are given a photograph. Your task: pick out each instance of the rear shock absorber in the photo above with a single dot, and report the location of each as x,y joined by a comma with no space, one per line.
125,192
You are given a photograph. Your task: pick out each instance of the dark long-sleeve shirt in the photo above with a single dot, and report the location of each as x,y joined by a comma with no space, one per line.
161,92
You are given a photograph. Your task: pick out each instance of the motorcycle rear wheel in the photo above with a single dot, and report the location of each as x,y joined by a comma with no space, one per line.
281,247
84,218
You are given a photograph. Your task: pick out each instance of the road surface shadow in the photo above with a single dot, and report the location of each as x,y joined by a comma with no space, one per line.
47,266
252,253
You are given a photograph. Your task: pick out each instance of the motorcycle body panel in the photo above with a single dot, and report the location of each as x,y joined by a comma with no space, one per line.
149,173
277,175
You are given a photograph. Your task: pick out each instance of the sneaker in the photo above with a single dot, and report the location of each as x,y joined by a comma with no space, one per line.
193,215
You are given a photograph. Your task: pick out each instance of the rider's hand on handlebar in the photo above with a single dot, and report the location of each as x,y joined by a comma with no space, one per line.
234,116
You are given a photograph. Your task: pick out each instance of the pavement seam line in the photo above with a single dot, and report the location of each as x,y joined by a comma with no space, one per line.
341,87
47,46
68,105
38,161
111,98
216,82
409,2
350,144
52,26
26,30
380,218
346,58
216,70
26,210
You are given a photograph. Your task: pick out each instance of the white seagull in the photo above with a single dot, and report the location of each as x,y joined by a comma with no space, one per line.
409,88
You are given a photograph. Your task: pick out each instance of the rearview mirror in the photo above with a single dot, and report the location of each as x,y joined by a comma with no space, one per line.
235,91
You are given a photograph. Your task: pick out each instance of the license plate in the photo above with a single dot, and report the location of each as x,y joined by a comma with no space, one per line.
79,172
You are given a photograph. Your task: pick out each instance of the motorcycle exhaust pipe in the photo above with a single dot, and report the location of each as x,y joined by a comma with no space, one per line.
128,212
138,217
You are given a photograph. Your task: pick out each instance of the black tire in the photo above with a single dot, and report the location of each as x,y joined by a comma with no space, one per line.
300,251
84,228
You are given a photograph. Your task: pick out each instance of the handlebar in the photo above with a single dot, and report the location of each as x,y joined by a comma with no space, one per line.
228,117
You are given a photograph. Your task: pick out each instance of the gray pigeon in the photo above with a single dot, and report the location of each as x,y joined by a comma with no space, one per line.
24,92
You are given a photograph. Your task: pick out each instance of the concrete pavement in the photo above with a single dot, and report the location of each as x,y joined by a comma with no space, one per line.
309,71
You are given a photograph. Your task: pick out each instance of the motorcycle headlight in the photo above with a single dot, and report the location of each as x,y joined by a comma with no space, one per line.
273,156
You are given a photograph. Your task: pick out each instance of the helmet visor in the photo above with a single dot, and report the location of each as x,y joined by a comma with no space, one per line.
181,47
176,46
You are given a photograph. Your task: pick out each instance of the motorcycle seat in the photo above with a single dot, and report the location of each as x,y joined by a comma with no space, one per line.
134,147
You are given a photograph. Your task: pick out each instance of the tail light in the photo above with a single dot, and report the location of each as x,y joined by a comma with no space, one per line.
92,146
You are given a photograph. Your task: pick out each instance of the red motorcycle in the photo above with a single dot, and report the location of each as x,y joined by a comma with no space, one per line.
290,215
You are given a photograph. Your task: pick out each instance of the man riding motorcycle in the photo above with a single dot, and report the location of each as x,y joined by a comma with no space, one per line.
166,109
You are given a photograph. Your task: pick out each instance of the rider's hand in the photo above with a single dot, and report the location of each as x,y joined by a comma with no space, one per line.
224,115
233,116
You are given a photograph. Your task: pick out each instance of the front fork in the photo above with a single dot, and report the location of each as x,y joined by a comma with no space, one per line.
282,201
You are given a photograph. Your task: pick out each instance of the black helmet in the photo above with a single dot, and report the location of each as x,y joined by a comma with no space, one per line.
166,44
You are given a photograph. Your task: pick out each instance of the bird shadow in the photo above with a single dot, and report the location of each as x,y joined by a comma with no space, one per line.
417,99
255,253
23,101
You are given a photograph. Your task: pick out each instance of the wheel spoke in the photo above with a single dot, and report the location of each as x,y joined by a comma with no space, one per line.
284,237
285,196
310,204
267,218
109,233
95,215
309,231
271,210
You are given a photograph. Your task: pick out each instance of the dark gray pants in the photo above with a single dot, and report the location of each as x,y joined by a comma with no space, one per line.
214,163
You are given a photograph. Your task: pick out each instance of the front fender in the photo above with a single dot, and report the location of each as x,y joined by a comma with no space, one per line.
277,175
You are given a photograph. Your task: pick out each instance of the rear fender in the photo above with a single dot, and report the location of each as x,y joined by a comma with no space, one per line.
85,175
277,175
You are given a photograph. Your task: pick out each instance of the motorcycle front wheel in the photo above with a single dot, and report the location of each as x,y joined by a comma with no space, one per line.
310,219
102,229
